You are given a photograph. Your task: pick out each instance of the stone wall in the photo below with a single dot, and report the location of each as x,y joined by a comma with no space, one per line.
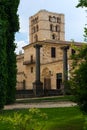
41,32
49,66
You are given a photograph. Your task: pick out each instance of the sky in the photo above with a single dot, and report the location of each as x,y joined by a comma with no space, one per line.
75,18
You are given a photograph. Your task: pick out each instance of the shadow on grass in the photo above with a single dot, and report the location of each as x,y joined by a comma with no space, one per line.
69,125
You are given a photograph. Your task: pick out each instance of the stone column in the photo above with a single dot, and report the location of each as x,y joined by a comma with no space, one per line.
38,85
65,69
65,63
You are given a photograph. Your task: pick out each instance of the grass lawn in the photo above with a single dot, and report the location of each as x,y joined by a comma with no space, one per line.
69,118
46,99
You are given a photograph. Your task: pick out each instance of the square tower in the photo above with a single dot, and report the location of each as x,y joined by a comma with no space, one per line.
46,25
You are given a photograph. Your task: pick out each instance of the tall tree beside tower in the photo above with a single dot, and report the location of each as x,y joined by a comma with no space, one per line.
79,72
9,25
3,55
13,27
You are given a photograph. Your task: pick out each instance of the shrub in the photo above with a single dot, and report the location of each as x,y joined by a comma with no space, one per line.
28,121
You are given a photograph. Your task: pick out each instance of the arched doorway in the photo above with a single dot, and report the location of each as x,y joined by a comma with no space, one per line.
46,76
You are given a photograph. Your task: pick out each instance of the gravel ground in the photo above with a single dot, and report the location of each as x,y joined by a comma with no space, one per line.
40,105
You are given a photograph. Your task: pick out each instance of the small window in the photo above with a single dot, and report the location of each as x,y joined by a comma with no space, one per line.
53,52
49,18
53,19
53,36
58,80
73,51
37,28
57,28
58,20
31,69
31,58
51,27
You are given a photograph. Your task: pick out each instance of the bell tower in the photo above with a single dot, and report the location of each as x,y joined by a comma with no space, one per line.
46,25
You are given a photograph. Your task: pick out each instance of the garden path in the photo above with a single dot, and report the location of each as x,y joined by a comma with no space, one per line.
40,105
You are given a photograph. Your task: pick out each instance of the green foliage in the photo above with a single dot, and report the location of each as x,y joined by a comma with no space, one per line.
82,3
9,25
85,34
11,82
11,8
3,56
67,118
79,70
85,124
27,121
47,99
79,77
67,89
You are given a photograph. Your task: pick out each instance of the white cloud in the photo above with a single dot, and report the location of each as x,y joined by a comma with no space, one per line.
20,44
23,21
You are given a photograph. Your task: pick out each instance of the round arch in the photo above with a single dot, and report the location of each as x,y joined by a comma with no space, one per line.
46,77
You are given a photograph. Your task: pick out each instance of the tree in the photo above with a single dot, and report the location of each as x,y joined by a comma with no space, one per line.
13,27
79,77
82,3
3,56
9,25
79,71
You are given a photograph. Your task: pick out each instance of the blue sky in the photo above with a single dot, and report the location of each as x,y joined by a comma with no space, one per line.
75,18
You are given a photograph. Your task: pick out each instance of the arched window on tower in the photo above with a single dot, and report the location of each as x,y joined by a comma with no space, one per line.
50,18
57,28
53,36
54,19
51,27
58,20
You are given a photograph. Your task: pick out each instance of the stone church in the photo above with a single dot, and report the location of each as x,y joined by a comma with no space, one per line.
51,61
